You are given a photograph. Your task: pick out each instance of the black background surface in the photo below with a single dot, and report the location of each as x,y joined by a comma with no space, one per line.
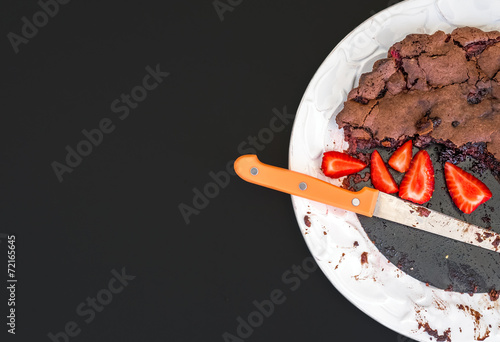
119,207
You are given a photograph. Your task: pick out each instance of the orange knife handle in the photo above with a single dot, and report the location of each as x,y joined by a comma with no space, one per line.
249,168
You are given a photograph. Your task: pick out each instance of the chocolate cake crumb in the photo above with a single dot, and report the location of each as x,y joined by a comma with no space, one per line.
434,333
356,244
358,179
364,258
494,295
496,242
307,221
423,212
479,238
487,235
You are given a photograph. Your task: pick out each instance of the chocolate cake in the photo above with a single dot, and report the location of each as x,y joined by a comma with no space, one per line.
440,88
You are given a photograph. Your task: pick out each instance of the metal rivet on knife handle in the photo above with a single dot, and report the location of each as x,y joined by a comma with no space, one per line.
302,186
356,202
254,171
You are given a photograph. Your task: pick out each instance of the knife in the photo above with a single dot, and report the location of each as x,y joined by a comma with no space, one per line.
368,202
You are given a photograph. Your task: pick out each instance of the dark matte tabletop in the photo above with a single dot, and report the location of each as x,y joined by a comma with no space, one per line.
120,120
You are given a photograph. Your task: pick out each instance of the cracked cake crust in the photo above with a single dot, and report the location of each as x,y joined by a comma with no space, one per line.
439,88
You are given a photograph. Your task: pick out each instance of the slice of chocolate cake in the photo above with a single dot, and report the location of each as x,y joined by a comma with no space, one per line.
440,88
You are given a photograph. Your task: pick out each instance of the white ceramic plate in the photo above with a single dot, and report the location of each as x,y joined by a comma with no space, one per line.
378,288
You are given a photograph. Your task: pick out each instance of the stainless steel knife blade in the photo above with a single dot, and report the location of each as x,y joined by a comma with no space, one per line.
394,209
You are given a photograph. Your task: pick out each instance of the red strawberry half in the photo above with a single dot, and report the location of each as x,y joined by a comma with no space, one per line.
467,192
338,164
401,158
418,183
380,175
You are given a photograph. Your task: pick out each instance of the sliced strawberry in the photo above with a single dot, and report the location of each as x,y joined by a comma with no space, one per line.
338,164
380,175
418,183
401,158
467,192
